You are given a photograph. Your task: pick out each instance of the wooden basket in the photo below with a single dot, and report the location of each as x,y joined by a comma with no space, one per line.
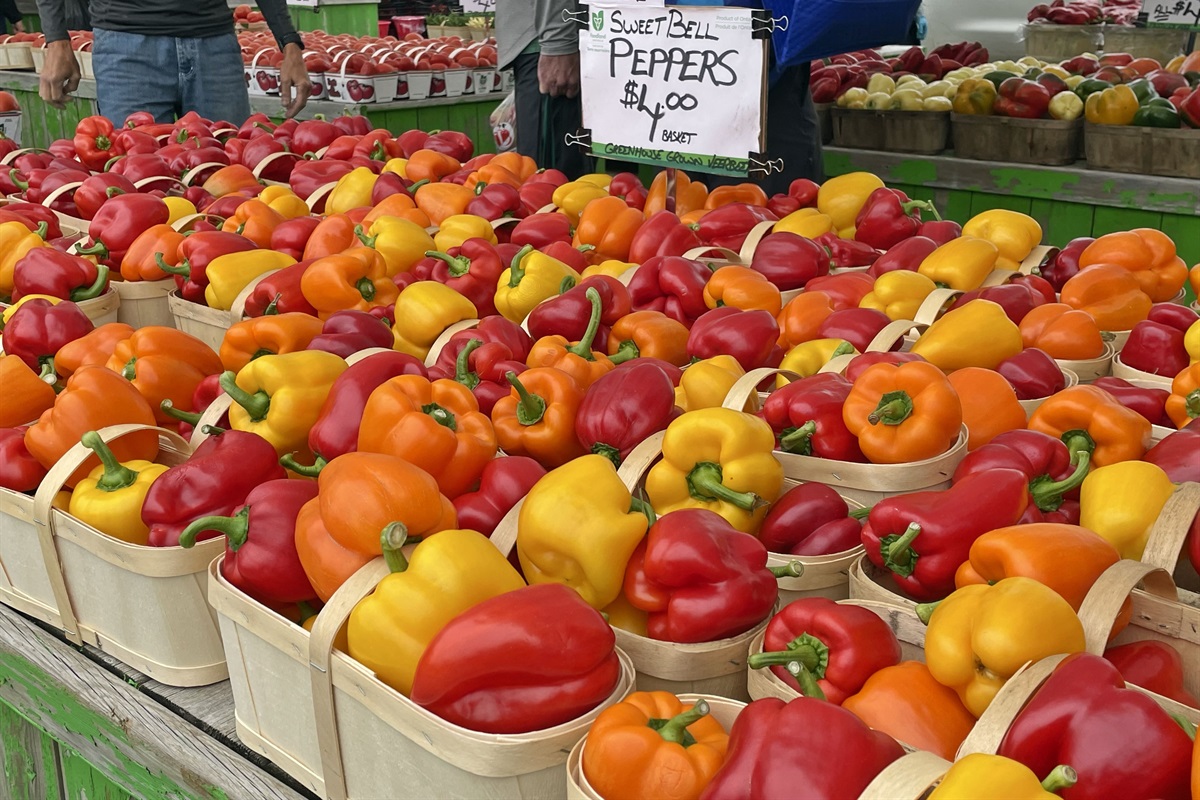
717,668
1049,142
907,778
1161,44
100,310
143,605
1087,370
858,128
144,303
1147,379
1118,148
1030,406
923,132
722,709
1176,153
1050,42
328,722
209,324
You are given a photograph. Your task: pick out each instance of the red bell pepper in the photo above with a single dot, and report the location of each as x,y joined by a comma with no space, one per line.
1176,454
1154,665
207,391
858,326
568,314
845,253
1032,374
280,293
37,330
1072,719
44,270
502,484
346,332
1145,400
452,143
802,193
378,145
493,329
1189,108
215,480
859,364
143,166
39,215
258,149
748,336
807,747
729,225
811,519
118,222
673,373
1052,470
39,184
806,415
496,201
308,176
1177,316
1022,98
411,141
922,538
908,255
662,235
1059,266
472,270
19,471
291,235
564,252
845,290
623,408
257,124
940,231
94,142
834,648
481,367
889,217
196,252
540,657
1017,299
388,184
352,124
672,285
99,188
540,230
629,187
789,261
538,191
1157,348
699,579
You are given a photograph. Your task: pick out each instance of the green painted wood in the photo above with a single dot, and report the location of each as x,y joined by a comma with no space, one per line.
360,19
1109,220
985,202
30,759
82,782
433,119
1186,233
957,205
1066,221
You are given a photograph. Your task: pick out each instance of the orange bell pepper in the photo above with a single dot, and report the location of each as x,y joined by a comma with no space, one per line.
801,317
1116,432
989,405
689,194
905,702
578,360
428,165
334,234
254,220
394,205
440,201
434,425
140,262
649,334
1148,254
1184,403
356,279
538,418
229,180
164,364
748,193
900,413
271,335
92,350
523,167
94,398
1110,294
608,225
1062,332
1194,279
492,172
26,395
744,288
327,564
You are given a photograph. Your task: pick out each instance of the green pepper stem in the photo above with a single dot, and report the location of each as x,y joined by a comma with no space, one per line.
925,611
289,462
1191,403
235,528
1048,494
626,352
116,475
168,408
366,288
273,306
43,230
96,248
639,506
418,185
806,650
808,684
392,539
583,348
1188,727
567,284
798,440
676,727
792,569
893,409
457,266
14,176
530,407
705,483
608,451
95,290
441,415
129,371
843,349
516,271
257,405
860,513
369,241
48,373
211,430
1079,443
462,365
898,554
1061,777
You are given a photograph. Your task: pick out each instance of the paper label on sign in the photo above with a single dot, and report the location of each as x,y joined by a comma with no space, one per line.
1183,14
477,6
679,87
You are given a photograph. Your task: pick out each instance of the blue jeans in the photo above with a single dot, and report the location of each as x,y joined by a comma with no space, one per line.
169,77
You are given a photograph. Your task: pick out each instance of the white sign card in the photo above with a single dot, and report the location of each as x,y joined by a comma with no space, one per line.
676,87
1172,14
477,6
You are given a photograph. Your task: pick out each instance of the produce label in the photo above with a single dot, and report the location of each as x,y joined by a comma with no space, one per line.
674,87
1183,14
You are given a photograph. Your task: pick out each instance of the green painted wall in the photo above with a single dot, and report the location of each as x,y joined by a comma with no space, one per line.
360,19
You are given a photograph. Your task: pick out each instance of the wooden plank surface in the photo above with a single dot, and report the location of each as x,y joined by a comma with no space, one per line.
30,759
150,741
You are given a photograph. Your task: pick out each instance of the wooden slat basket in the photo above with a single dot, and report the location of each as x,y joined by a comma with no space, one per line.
1049,142
144,303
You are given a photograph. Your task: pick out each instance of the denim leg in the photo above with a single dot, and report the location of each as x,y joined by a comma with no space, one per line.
211,79
135,73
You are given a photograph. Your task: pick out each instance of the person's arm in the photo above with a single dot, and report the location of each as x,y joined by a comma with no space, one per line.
53,14
11,12
294,83
558,40
60,74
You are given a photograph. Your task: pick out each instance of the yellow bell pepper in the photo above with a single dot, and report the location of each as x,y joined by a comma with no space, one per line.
285,202
611,268
1014,234
1115,106
807,222
721,460
980,635
1191,342
15,241
10,310
180,207
705,384
1121,501
898,293
977,334
353,190
279,397
963,263
578,526
396,166
980,776
975,96
457,229
841,198
423,311
232,272
447,574
532,278
601,179
110,497
622,614
571,198
401,242
807,358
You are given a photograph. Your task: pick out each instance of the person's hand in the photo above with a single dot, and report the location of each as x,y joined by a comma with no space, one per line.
294,83
19,26
60,74
558,76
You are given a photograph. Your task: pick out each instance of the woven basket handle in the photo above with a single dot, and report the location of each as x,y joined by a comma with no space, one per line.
989,731
443,339
211,416
1104,600
756,235
931,307
1170,530
907,778
744,392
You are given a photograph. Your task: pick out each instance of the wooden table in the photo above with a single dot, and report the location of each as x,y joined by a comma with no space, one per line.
75,723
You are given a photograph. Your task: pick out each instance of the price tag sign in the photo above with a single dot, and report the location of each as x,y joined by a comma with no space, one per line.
674,87
1181,14
303,3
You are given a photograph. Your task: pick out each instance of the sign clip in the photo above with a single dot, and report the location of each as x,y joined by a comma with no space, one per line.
580,138
760,163
580,17
763,24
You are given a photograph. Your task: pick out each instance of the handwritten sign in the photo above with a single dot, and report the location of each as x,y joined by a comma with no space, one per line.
1183,14
674,87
